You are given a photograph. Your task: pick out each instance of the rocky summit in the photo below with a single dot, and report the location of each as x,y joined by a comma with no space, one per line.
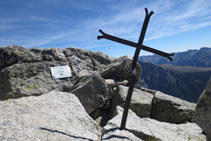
88,105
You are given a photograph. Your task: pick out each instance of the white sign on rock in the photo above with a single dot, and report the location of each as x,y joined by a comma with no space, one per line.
61,72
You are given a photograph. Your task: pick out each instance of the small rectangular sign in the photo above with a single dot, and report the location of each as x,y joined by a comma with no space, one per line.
61,72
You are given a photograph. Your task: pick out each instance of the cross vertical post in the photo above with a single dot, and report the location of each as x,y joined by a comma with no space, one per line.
133,74
138,47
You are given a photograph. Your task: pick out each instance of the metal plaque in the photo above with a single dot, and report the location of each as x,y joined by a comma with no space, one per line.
61,72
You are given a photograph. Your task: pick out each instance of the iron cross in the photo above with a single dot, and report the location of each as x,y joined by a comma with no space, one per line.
138,47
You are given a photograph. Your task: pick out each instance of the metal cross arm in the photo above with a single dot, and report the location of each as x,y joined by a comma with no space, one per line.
130,43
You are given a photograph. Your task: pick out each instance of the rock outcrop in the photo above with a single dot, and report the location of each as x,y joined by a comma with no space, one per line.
120,69
202,114
27,79
141,101
149,129
171,109
27,72
15,54
20,76
93,92
52,116
157,105
85,62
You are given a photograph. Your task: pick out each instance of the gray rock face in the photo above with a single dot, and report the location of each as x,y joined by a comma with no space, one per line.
51,54
33,78
140,102
85,62
171,109
93,92
120,69
52,116
27,72
149,129
14,54
156,105
24,79
202,114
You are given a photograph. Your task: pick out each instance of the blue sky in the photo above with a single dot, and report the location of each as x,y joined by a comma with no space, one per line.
177,25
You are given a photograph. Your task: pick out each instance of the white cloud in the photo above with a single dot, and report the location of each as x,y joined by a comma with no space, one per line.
189,15
170,18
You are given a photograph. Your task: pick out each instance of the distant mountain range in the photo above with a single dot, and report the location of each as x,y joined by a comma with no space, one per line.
195,58
184,69
181,77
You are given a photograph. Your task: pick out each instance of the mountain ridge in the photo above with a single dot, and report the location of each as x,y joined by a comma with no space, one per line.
195,58
185,85
184,69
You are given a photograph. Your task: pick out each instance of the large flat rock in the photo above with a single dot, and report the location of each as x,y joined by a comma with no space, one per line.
171,109
150,129
52,116
140,101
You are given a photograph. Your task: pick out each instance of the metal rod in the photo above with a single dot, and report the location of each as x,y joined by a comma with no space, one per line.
155,51
130,43
133,75
116,39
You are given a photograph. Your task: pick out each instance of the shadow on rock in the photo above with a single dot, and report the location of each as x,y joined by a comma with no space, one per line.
114,136
72,136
